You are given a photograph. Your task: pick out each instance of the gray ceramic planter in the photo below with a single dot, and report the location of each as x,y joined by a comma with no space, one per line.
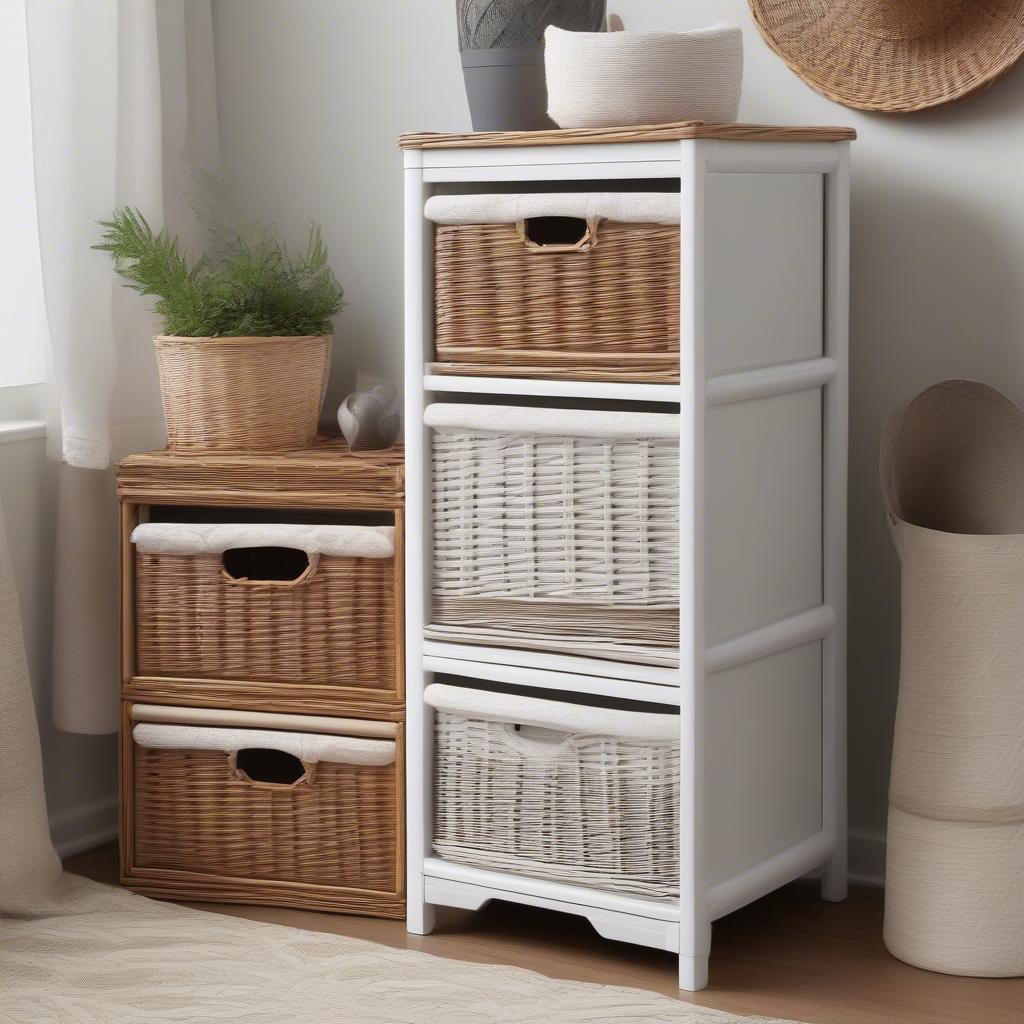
502,47
506,90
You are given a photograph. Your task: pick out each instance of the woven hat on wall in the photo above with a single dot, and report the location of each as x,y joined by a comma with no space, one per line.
894,55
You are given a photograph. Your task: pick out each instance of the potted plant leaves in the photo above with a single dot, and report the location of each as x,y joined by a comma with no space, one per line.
245,354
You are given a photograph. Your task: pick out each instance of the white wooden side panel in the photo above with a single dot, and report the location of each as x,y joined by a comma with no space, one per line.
763,269
763,751
419,340
836,415
763,511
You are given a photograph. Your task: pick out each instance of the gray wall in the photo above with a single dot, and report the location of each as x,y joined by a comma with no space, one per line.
313,93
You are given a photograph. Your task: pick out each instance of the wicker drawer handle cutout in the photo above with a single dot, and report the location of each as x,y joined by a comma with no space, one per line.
268,567
266,768
537,742
533,232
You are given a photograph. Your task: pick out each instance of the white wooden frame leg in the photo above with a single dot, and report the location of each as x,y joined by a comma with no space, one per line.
419,337
693,970
835,417
694,915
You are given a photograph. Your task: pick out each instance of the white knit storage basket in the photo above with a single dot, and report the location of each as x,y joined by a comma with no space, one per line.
557,529
565,792
952,472
608,79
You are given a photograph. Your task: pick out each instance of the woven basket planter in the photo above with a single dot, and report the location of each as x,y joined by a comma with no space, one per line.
953,480
224,802
603,305
559,791
211,603
242,394
556,529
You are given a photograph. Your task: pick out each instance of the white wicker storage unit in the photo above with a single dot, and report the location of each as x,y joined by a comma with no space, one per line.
758,679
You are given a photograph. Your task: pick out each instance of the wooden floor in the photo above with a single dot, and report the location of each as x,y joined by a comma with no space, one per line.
789,956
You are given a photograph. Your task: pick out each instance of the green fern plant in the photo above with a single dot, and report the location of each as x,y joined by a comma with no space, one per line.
249,286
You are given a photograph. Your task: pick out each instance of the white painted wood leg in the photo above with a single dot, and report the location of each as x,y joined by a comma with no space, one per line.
694,950
834,880
693,972
420,917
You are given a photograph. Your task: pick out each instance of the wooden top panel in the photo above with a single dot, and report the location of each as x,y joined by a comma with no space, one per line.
327,475
673,132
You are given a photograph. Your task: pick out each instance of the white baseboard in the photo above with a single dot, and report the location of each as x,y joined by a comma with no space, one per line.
867,858
82,828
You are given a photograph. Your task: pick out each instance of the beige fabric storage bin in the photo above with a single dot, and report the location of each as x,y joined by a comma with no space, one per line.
556,529
952,471
282,603
567,792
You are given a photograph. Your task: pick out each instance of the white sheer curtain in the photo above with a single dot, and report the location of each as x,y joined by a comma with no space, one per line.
123,106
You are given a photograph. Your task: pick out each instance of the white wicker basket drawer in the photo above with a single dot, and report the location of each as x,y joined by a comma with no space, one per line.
556,529
567,792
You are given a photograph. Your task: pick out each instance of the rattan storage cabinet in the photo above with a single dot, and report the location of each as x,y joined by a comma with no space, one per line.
701,573
262,742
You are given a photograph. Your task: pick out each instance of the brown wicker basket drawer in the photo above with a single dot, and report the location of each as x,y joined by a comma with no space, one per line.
264,804
572,296
289,604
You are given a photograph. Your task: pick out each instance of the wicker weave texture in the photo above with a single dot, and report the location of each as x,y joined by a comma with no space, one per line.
334,626
895,56
570,536
326,475
194,813
242,394
498,301
588,810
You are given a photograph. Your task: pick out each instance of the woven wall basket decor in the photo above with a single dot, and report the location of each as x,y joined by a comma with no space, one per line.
894,55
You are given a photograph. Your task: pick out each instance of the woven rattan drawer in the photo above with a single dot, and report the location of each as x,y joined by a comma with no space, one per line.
578,293
296,606
262,814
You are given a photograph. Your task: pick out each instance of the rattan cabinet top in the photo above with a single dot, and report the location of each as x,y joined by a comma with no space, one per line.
327,475
674,132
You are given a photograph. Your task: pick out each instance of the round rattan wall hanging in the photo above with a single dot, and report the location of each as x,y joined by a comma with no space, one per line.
894,55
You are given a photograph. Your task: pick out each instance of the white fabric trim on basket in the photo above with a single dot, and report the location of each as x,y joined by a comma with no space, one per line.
216,538
551,714
511,419
308,747
624,207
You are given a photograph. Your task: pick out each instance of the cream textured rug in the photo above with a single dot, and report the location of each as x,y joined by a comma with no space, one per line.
113,956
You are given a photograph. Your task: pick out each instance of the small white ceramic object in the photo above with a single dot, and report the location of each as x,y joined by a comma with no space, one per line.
370,419
611,79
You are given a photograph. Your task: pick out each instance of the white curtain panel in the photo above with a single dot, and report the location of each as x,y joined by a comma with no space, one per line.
123,108
29,868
